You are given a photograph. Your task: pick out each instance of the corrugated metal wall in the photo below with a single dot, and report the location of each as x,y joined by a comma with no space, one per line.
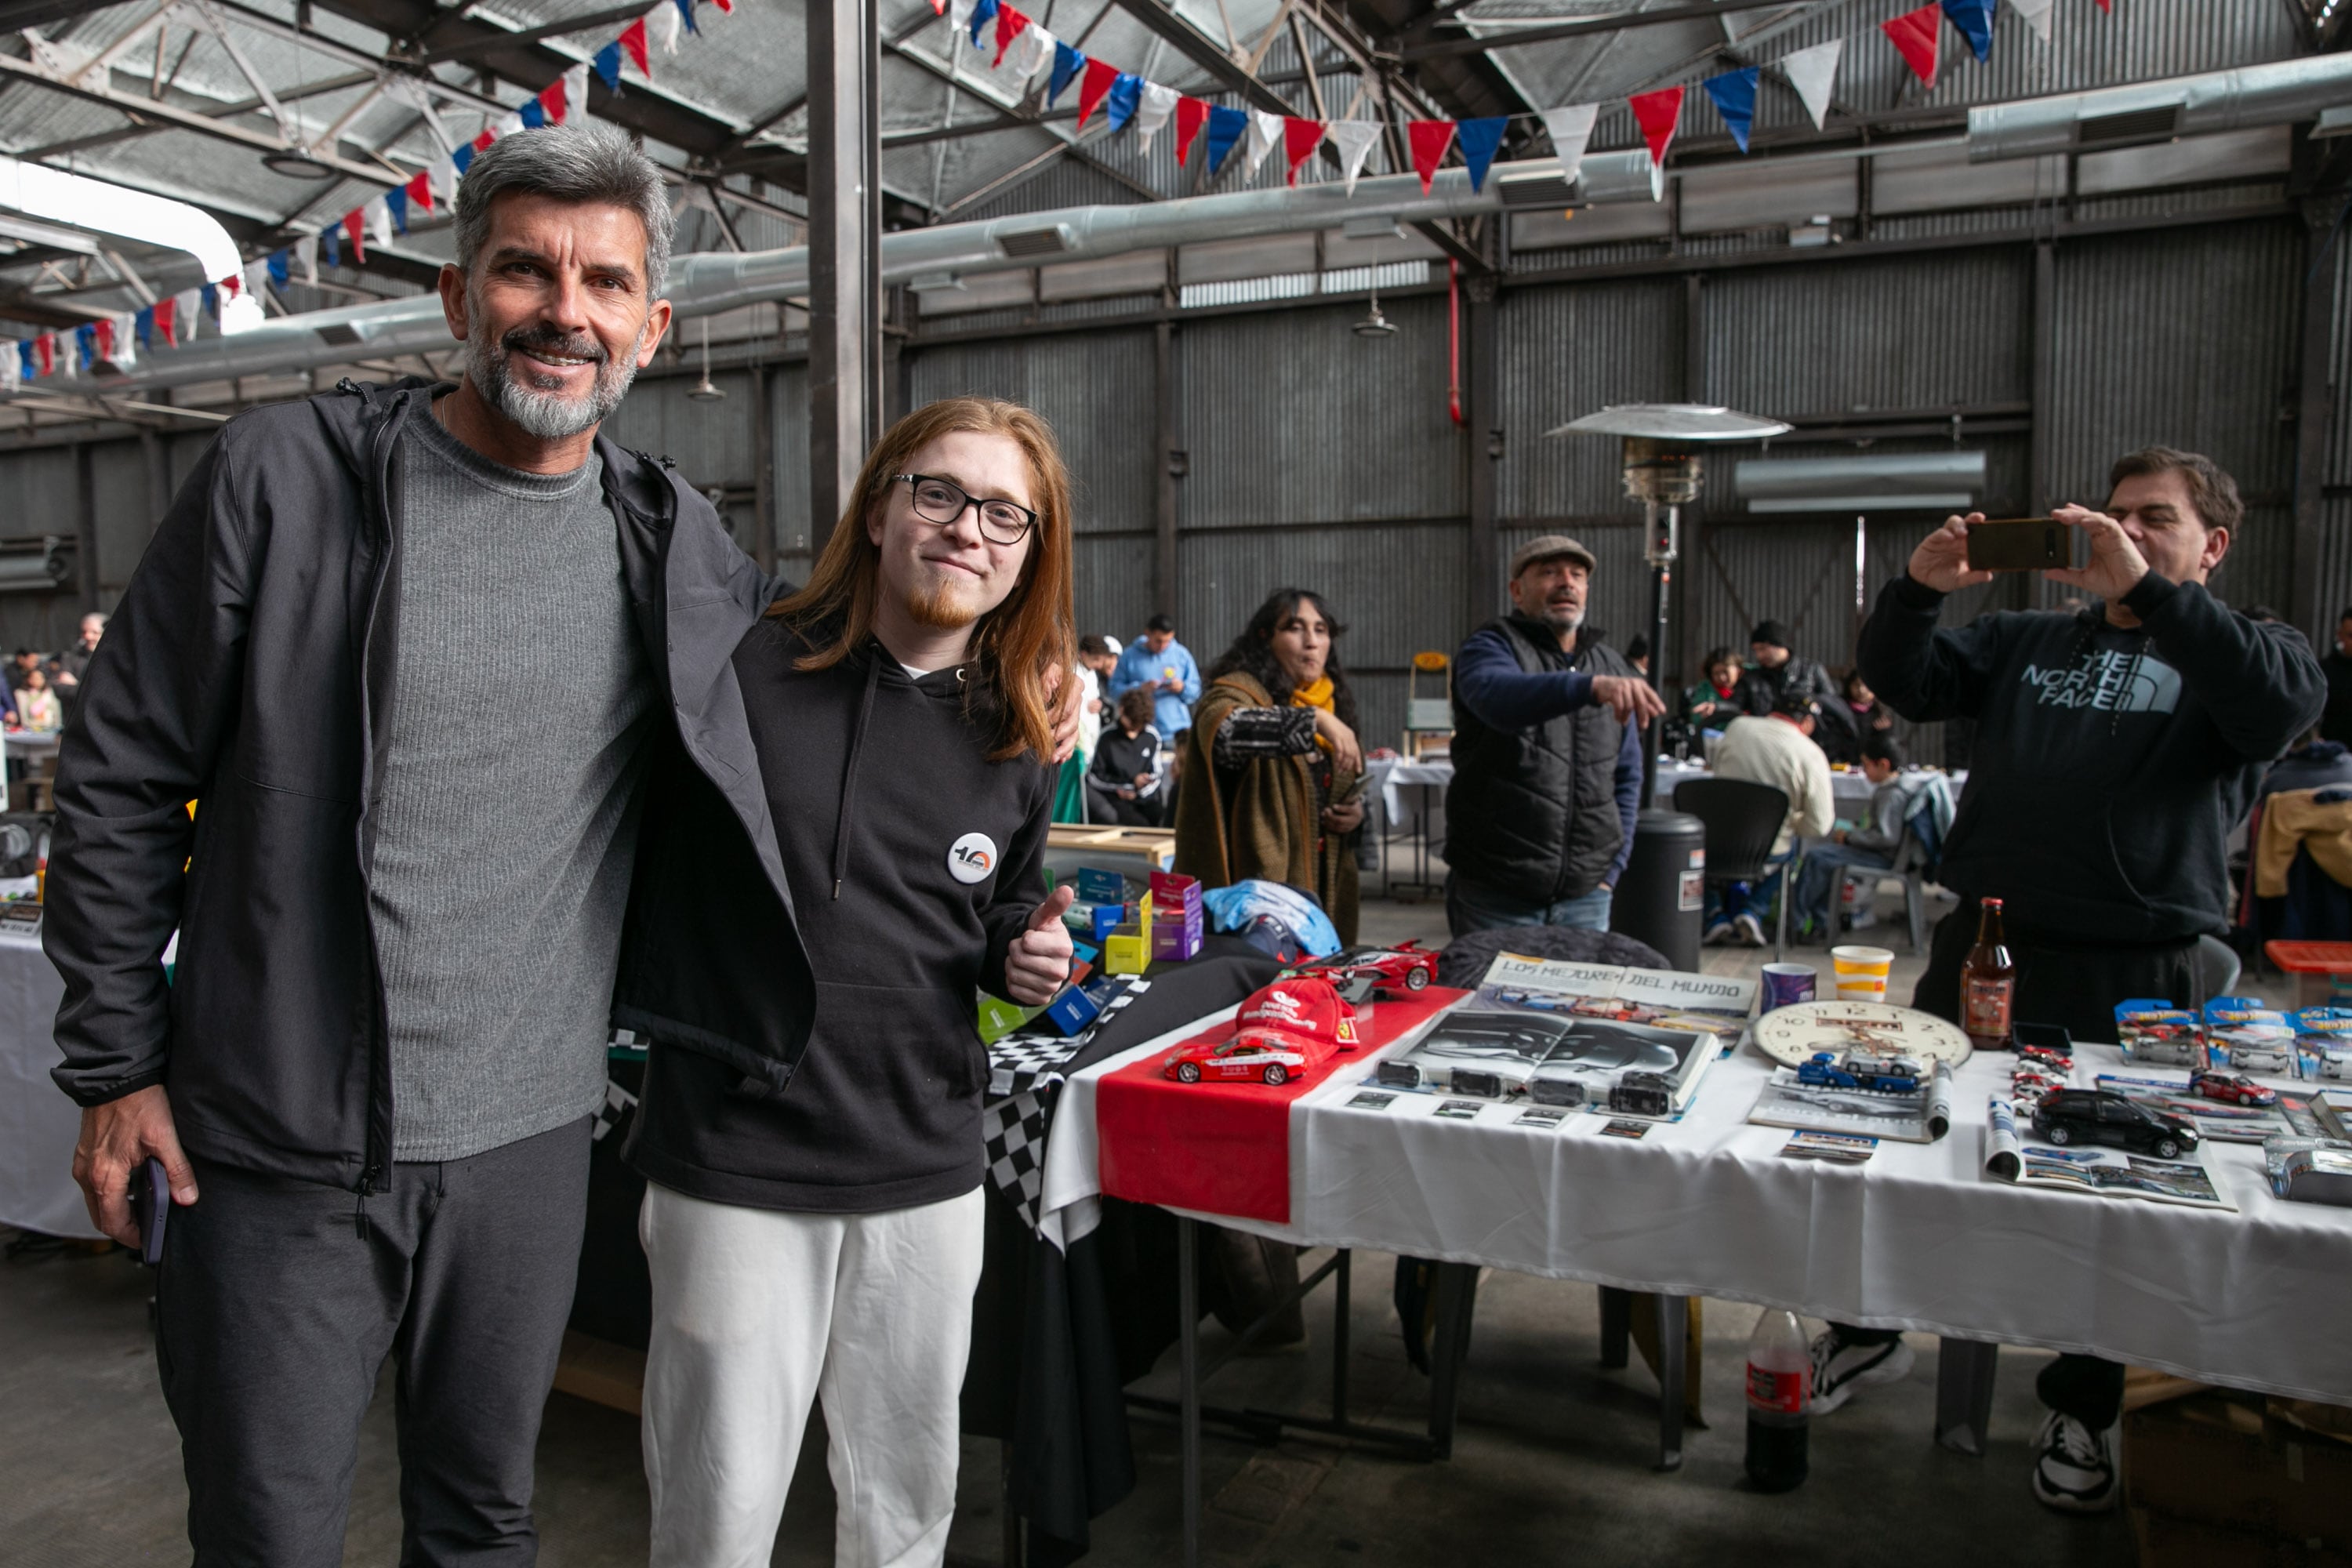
1569,350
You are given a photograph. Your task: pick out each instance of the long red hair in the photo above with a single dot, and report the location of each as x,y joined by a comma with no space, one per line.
1035,629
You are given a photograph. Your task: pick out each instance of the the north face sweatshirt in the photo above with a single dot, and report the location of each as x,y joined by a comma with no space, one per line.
2109,765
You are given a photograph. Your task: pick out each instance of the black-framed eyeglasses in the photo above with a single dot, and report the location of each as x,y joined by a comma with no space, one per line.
943,501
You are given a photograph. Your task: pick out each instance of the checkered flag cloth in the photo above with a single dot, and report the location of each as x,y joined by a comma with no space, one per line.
618,1102
1033,1058
1025,1076
1014,1131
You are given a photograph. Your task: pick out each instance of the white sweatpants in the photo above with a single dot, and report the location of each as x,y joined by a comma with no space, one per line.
756,1313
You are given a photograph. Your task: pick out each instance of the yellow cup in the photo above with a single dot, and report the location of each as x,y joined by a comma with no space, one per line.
1861,973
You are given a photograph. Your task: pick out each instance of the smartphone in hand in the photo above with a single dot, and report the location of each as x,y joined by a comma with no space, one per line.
2020,545
151,1207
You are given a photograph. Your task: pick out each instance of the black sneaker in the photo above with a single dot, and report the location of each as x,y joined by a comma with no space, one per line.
2073,1467
1840,1368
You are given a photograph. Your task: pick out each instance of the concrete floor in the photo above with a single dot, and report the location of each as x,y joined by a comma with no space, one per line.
1551,1459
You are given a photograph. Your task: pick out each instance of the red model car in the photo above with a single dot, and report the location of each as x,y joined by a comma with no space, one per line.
1405,967
2235,1088
2043,1056
1615,1011
1282,1032
2027,1084
1244,1058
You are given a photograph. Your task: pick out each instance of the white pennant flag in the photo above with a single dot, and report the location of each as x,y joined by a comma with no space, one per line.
1151,114
1354,139
960,16
1811,72
306,257
187,309
2036,14
1265,136
257,278
1031,51
12,365
511,125
661,26
1571,129
379,222
576,95
126,341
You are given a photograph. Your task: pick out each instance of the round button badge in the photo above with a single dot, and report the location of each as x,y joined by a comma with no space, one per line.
972,858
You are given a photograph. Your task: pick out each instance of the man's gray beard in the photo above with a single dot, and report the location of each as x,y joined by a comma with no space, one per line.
549,415
1563,620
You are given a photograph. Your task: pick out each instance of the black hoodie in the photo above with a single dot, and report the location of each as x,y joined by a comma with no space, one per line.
913,863
2110,765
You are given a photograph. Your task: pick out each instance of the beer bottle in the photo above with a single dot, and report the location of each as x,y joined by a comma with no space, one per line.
1987,983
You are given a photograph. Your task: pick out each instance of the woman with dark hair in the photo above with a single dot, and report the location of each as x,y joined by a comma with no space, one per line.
1273,772
1853,719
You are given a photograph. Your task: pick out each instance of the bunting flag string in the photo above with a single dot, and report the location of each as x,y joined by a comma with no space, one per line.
1659,114
1225,127
1479,140
1300,139
1192,113
1428,140
1094,87
1973,20
1354,139
1735,98
1811,73
1915,34
1571,131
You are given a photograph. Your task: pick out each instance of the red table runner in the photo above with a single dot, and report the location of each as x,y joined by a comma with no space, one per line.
1221,1148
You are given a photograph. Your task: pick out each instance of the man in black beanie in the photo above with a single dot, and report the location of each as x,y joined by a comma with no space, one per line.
1775,670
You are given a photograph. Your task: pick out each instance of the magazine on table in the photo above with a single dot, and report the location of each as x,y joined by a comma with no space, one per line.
1554,1058
2222,1121
1718,1004
2012,1154
1920,1116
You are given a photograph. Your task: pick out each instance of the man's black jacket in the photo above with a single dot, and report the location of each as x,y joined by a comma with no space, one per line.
249,668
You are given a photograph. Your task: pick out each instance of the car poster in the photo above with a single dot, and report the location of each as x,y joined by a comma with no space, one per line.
2012,1154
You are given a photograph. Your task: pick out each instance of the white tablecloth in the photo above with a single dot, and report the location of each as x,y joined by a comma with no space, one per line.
1389,778
1917,1238
1852,790
38,1122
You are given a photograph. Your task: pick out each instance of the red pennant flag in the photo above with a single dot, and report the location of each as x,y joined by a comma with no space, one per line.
105,335
1093,88
1300,139
2108,7
44,350
1430,139
1916,32
1659,114
166,308
355,230
1009,23
729,6
420,184
633,40
938,7
551,101
1192,113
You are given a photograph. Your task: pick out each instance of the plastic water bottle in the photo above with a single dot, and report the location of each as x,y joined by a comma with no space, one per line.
1779,1398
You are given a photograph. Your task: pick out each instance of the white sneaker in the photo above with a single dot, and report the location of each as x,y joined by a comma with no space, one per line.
2074,1467
1840,1368
1750,928
1719,934
1862,920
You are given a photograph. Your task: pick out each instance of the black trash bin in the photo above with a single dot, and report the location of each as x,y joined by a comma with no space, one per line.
1662,898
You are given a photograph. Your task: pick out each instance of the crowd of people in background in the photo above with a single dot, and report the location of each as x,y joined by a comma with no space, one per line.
42,687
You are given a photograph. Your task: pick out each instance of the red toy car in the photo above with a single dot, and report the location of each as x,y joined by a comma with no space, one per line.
2027,1084
2043,1056
1405,967
1282,1032
2235,1088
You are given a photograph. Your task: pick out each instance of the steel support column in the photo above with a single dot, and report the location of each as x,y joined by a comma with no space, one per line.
844,162
1164,566
1671,676
763,469
2314,414
1482,418
86,525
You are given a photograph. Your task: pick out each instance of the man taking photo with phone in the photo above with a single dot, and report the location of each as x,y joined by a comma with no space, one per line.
2115,749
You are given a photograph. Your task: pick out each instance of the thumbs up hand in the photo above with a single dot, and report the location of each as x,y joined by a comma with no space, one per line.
1038,963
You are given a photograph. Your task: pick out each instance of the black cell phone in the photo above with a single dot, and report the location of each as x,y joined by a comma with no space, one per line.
2049,1036
151,1205
2020,545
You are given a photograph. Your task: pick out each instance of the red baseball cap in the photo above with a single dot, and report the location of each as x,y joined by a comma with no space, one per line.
1304,1014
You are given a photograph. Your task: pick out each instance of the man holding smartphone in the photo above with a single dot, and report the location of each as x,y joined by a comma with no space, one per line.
2115,749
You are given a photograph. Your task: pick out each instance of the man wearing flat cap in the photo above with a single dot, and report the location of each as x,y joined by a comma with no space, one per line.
1548,724
1777,670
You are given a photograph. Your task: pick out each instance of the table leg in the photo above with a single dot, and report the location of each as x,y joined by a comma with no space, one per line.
1456,1285
1964,1373
1673,1332
1188,1361
1004,1500
1339,1337
1616,1326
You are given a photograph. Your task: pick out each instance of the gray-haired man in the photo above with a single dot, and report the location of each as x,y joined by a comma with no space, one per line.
403,908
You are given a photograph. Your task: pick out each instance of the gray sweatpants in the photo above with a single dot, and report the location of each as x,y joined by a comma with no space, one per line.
276,1313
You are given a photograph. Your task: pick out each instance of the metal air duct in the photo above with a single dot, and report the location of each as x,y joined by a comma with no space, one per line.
2274,94
1906,481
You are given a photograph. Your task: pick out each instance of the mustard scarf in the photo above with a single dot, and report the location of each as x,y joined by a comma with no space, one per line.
1317,695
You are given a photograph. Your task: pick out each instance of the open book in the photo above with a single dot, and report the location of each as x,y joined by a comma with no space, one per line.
1919,1116
2012,1154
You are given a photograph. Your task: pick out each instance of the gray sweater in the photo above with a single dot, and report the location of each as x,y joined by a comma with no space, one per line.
504,821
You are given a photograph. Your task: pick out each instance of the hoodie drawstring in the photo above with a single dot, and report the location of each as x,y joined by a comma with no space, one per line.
849,773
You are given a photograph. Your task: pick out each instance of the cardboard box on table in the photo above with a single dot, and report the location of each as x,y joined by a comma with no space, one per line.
2213,1481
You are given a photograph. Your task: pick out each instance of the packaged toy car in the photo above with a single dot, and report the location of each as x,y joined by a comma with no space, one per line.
2323,1037
2254,1036
2156,1032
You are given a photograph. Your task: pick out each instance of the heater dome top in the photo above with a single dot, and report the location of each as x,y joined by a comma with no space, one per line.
1672,422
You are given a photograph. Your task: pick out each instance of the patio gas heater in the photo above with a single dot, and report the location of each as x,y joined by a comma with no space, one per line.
1662,442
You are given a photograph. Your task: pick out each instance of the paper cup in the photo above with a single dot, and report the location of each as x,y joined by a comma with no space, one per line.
1785,984
1861,973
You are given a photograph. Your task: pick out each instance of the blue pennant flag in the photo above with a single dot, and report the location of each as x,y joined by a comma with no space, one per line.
1226,127
1126,98
982,16
331,238
27,360
1974,20
686,9
281,267
85,345
1067,64
534,117
211,298
397,200
146,328
462,155
608,64
1735,97
1479,140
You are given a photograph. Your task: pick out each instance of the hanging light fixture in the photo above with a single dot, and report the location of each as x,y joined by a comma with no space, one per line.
705,391
1375,325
